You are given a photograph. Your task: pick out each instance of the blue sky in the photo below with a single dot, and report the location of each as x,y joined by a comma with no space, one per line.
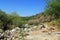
23,7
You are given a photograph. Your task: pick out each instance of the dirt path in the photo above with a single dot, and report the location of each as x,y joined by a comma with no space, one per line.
37,35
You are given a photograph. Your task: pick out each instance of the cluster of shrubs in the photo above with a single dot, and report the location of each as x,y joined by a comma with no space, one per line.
8,21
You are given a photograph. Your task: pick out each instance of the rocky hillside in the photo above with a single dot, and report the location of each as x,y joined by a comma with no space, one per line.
41,32
42,26
31,32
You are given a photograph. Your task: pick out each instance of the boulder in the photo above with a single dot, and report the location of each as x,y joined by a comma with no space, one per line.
13,34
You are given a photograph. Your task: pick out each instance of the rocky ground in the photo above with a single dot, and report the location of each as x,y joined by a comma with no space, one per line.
31,32
43,33
37,35
13,34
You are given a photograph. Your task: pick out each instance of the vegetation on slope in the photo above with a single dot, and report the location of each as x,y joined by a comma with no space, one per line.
8,21
51,14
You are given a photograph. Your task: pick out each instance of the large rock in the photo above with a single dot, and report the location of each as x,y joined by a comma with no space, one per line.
13,34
